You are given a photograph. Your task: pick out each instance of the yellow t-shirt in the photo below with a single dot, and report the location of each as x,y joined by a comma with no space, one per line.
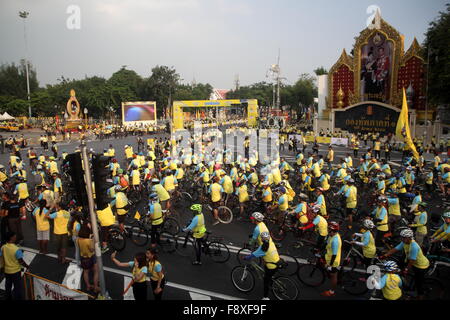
61,221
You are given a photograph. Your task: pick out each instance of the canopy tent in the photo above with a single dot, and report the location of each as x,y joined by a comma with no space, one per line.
6,116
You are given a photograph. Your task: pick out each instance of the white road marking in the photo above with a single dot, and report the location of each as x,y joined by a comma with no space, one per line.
197,296
27,257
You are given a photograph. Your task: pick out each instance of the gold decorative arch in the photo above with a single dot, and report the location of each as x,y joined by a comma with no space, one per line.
73,113
397,40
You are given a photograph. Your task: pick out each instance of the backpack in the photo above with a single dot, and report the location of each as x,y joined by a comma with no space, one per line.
123,182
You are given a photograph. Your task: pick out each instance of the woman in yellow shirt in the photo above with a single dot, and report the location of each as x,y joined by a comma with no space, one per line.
42,214
88,259
155,270
138,282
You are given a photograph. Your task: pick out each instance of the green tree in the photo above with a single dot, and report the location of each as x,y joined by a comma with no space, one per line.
320,71
13,80
161,86
437,40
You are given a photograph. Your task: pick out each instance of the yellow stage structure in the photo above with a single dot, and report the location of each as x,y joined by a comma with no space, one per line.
178,115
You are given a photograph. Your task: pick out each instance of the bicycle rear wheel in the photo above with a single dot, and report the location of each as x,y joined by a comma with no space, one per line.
225,215
284,288
184,247
218,252
117,239
168,242
171,225
242,279
354,283
292,265
277,233
139,235
311,275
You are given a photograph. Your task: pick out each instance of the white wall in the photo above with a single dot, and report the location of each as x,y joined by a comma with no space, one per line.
322,84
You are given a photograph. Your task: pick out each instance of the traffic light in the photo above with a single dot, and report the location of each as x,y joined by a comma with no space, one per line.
102,180
77,186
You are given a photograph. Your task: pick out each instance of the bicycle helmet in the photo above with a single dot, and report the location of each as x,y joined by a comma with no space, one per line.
118,187
155,180
390,266
38,167
196,208
407,233
153,196
257,216
368,224
265,236
446,215
282,190
303,196
333,226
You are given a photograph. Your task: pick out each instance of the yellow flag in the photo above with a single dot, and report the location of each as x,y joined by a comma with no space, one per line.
137,216
402,131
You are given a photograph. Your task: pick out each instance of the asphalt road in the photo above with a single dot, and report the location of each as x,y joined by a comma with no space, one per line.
209,281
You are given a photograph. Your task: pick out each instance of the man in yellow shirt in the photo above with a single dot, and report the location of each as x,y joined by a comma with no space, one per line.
216,197
13,262
415,259
333,257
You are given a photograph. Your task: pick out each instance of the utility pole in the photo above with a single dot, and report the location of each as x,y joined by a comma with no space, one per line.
426,95
24,15
93,216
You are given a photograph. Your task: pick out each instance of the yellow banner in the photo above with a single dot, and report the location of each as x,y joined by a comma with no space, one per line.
402,131
323,140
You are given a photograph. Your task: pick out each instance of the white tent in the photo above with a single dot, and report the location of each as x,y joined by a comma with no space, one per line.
6,116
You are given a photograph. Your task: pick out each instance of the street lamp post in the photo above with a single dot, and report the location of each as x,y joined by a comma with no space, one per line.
85,117
24,15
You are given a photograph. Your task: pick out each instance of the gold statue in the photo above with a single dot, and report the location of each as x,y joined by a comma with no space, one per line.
340,96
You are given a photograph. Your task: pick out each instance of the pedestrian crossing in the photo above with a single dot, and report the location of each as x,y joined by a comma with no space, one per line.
117,281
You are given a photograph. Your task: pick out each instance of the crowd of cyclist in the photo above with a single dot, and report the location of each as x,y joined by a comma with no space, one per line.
373,199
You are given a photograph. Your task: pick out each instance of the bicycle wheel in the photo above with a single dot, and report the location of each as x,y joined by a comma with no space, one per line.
434,289
184,247
242,279
284,288
171,225
168,242
139,234
354,283
218,252
311,275
301,249
277,233
291,265
117,239
225,215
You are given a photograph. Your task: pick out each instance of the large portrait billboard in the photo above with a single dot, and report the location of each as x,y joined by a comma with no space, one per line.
376,69
139,112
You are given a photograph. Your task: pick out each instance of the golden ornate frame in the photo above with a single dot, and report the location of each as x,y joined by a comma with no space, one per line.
354,63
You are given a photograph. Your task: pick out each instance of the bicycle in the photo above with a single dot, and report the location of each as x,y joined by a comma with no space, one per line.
313,274
354,259
243,279
433,288
225,215
215,248
290,268
140,232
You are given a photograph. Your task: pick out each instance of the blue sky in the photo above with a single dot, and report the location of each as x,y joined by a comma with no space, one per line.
211,40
